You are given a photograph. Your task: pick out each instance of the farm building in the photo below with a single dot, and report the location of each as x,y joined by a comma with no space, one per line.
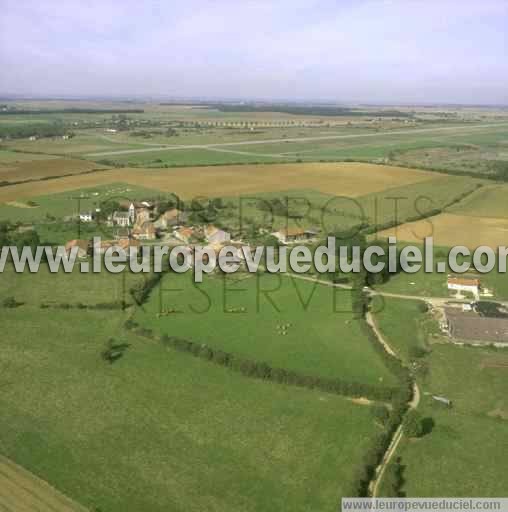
184,234
86,216
143,215
170,218
82,246
470,327
121,219
461,284
215,235
292,235
144,231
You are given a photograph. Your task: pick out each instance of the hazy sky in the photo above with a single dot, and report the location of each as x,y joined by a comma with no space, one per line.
368,51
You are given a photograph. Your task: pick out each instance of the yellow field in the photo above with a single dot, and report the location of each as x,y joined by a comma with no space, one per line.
348,179
21,491
449,229
488,201
40,168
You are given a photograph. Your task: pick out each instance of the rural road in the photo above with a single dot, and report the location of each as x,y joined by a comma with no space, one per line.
397,436
294,139
415,399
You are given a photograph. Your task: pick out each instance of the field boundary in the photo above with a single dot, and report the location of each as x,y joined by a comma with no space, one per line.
22,490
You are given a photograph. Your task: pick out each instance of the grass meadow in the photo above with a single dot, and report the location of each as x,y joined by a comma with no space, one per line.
462,451
160,430
248,316
434,284
54,289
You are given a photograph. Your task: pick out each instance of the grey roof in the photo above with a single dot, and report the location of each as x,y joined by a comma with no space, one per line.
475,328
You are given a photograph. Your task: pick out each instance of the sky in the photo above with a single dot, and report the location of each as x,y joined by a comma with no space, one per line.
350,51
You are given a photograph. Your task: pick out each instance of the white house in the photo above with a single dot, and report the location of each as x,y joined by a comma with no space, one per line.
460,284
121,219
86,216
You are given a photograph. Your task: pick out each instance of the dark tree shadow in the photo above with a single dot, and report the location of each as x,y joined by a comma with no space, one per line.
428,425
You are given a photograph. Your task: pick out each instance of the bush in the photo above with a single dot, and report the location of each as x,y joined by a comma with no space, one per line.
10,302
392,481
422,307
413,424
380,414
416,352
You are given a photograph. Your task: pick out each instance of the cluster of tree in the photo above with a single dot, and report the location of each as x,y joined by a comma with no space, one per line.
17,112
393,479
413,424
499,169
365,472
203,211
114,351
262,370
107,207
308,110
141,291
9,236
145,134
363,278
389,419
25,130
118,304
11,302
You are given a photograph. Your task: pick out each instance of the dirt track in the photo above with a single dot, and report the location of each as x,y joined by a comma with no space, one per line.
397,436
21,491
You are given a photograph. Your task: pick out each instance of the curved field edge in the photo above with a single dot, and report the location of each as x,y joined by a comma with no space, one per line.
292,324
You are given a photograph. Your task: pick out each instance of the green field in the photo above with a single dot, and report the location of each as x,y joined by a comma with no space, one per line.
467,441
244,316
52,289
7,157
163,431
423,284
409,335
65,204
467,142
160,430
462,451
190,157
418,149
310,208
489,201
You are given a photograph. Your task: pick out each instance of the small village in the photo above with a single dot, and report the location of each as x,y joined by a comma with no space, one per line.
145,223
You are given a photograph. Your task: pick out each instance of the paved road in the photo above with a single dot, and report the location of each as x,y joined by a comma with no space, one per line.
296,139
